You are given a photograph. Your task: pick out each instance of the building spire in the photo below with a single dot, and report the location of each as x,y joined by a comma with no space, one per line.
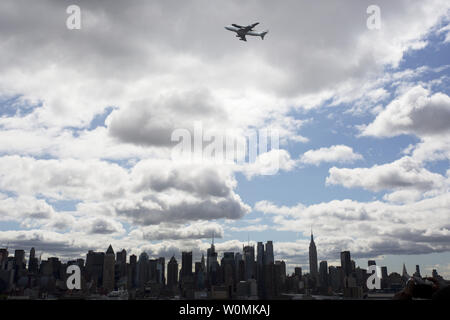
312,235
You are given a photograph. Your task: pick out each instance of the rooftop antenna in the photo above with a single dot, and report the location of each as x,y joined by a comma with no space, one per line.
248,239
213,237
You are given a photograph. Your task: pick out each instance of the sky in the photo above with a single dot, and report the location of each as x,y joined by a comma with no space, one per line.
362,114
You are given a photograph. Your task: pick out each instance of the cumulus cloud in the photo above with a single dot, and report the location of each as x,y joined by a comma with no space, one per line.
165,231
405,173
336,153
369,229
416,112
153,191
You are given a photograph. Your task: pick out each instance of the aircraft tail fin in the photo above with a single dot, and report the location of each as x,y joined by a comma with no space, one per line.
263,34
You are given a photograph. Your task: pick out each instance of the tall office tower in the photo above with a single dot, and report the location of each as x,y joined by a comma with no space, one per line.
384,272
108,270
282,265
152,269
240,267
132,272
199,275
249,262
268,255
323,274
237,257
202,263
172,273
259,254
121,264
346,263
94,267
3,258
142,274
33,262
80,263
19,259
313,268
280,275
417,273
371,263
212,265
404,272
186,264
121,257
384,278
228,268
133,259
298,272
333,276
19,264
161,270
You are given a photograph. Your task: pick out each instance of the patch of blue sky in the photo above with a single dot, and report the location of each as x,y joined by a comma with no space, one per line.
10,226
97,121
436,54
15,105
62,205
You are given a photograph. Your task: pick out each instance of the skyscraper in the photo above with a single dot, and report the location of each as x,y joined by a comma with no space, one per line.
142,273
94,266
249,262
33,262
313,269
323,274
346,263
108,270
186,264
172,273
211,264
161,270
260,262
405,274
298,272
3,258
268,255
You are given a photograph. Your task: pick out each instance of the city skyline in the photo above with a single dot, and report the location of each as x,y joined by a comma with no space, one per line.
237,275
92,114
220,254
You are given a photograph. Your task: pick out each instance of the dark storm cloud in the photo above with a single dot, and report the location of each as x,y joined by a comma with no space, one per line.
206,182
152,122
185,211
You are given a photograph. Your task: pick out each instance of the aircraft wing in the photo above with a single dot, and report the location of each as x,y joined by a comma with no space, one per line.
250,27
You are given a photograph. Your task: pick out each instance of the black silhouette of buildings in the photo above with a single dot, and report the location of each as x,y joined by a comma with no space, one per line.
238,275
313,268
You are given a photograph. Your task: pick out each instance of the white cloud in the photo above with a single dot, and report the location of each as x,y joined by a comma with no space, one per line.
336,153
405,173
414,112
369,229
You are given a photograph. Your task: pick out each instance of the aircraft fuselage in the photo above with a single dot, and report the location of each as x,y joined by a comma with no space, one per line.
241,33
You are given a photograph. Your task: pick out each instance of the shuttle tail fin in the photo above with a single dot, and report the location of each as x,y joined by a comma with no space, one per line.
263,34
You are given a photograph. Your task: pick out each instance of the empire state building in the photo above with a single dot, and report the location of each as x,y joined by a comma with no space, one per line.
313,270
